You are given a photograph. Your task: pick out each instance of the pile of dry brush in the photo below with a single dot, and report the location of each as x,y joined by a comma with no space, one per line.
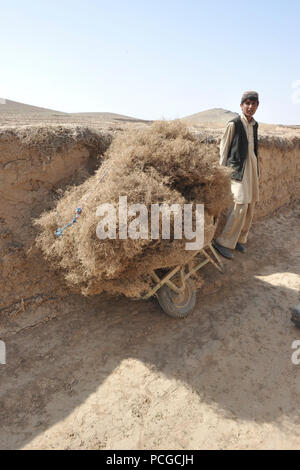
164,163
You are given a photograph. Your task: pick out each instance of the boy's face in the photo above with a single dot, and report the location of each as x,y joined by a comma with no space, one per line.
249,108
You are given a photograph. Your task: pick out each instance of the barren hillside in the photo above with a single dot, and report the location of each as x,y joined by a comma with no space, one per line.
211,115
14,113
8,107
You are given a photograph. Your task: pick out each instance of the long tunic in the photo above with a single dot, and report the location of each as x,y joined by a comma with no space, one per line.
247,190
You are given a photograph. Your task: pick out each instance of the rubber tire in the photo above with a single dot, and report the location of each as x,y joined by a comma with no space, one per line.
165,294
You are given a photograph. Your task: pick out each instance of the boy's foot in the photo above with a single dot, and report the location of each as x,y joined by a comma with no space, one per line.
296,315
240,247
226,252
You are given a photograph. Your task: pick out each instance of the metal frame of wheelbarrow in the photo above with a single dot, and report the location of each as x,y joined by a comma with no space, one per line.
167,291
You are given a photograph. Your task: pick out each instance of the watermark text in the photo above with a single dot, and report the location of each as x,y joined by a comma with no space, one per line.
163,221
296,354
296,93
2,353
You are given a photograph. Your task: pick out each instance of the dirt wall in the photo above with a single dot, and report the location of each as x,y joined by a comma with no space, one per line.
279,164
36,163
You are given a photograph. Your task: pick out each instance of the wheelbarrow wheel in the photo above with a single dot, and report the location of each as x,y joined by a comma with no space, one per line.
177,305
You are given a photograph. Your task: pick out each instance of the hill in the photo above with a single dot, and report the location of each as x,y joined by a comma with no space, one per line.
8,107
13,107
108,117
211,115
15,113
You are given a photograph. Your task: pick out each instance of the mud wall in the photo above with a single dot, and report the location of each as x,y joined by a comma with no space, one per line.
279,164
36,163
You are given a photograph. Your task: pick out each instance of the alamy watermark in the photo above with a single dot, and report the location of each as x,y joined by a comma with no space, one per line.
296,353
296,93
2,101
136,221
2,353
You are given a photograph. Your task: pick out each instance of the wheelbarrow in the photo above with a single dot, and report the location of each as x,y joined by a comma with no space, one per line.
174,290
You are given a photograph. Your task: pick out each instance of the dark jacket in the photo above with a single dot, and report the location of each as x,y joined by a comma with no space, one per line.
238,151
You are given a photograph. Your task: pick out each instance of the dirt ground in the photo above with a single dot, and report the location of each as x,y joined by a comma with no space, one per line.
116,374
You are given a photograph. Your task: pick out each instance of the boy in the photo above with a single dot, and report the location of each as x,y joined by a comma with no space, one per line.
238,150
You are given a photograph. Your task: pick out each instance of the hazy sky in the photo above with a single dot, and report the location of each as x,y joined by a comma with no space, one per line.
152,59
